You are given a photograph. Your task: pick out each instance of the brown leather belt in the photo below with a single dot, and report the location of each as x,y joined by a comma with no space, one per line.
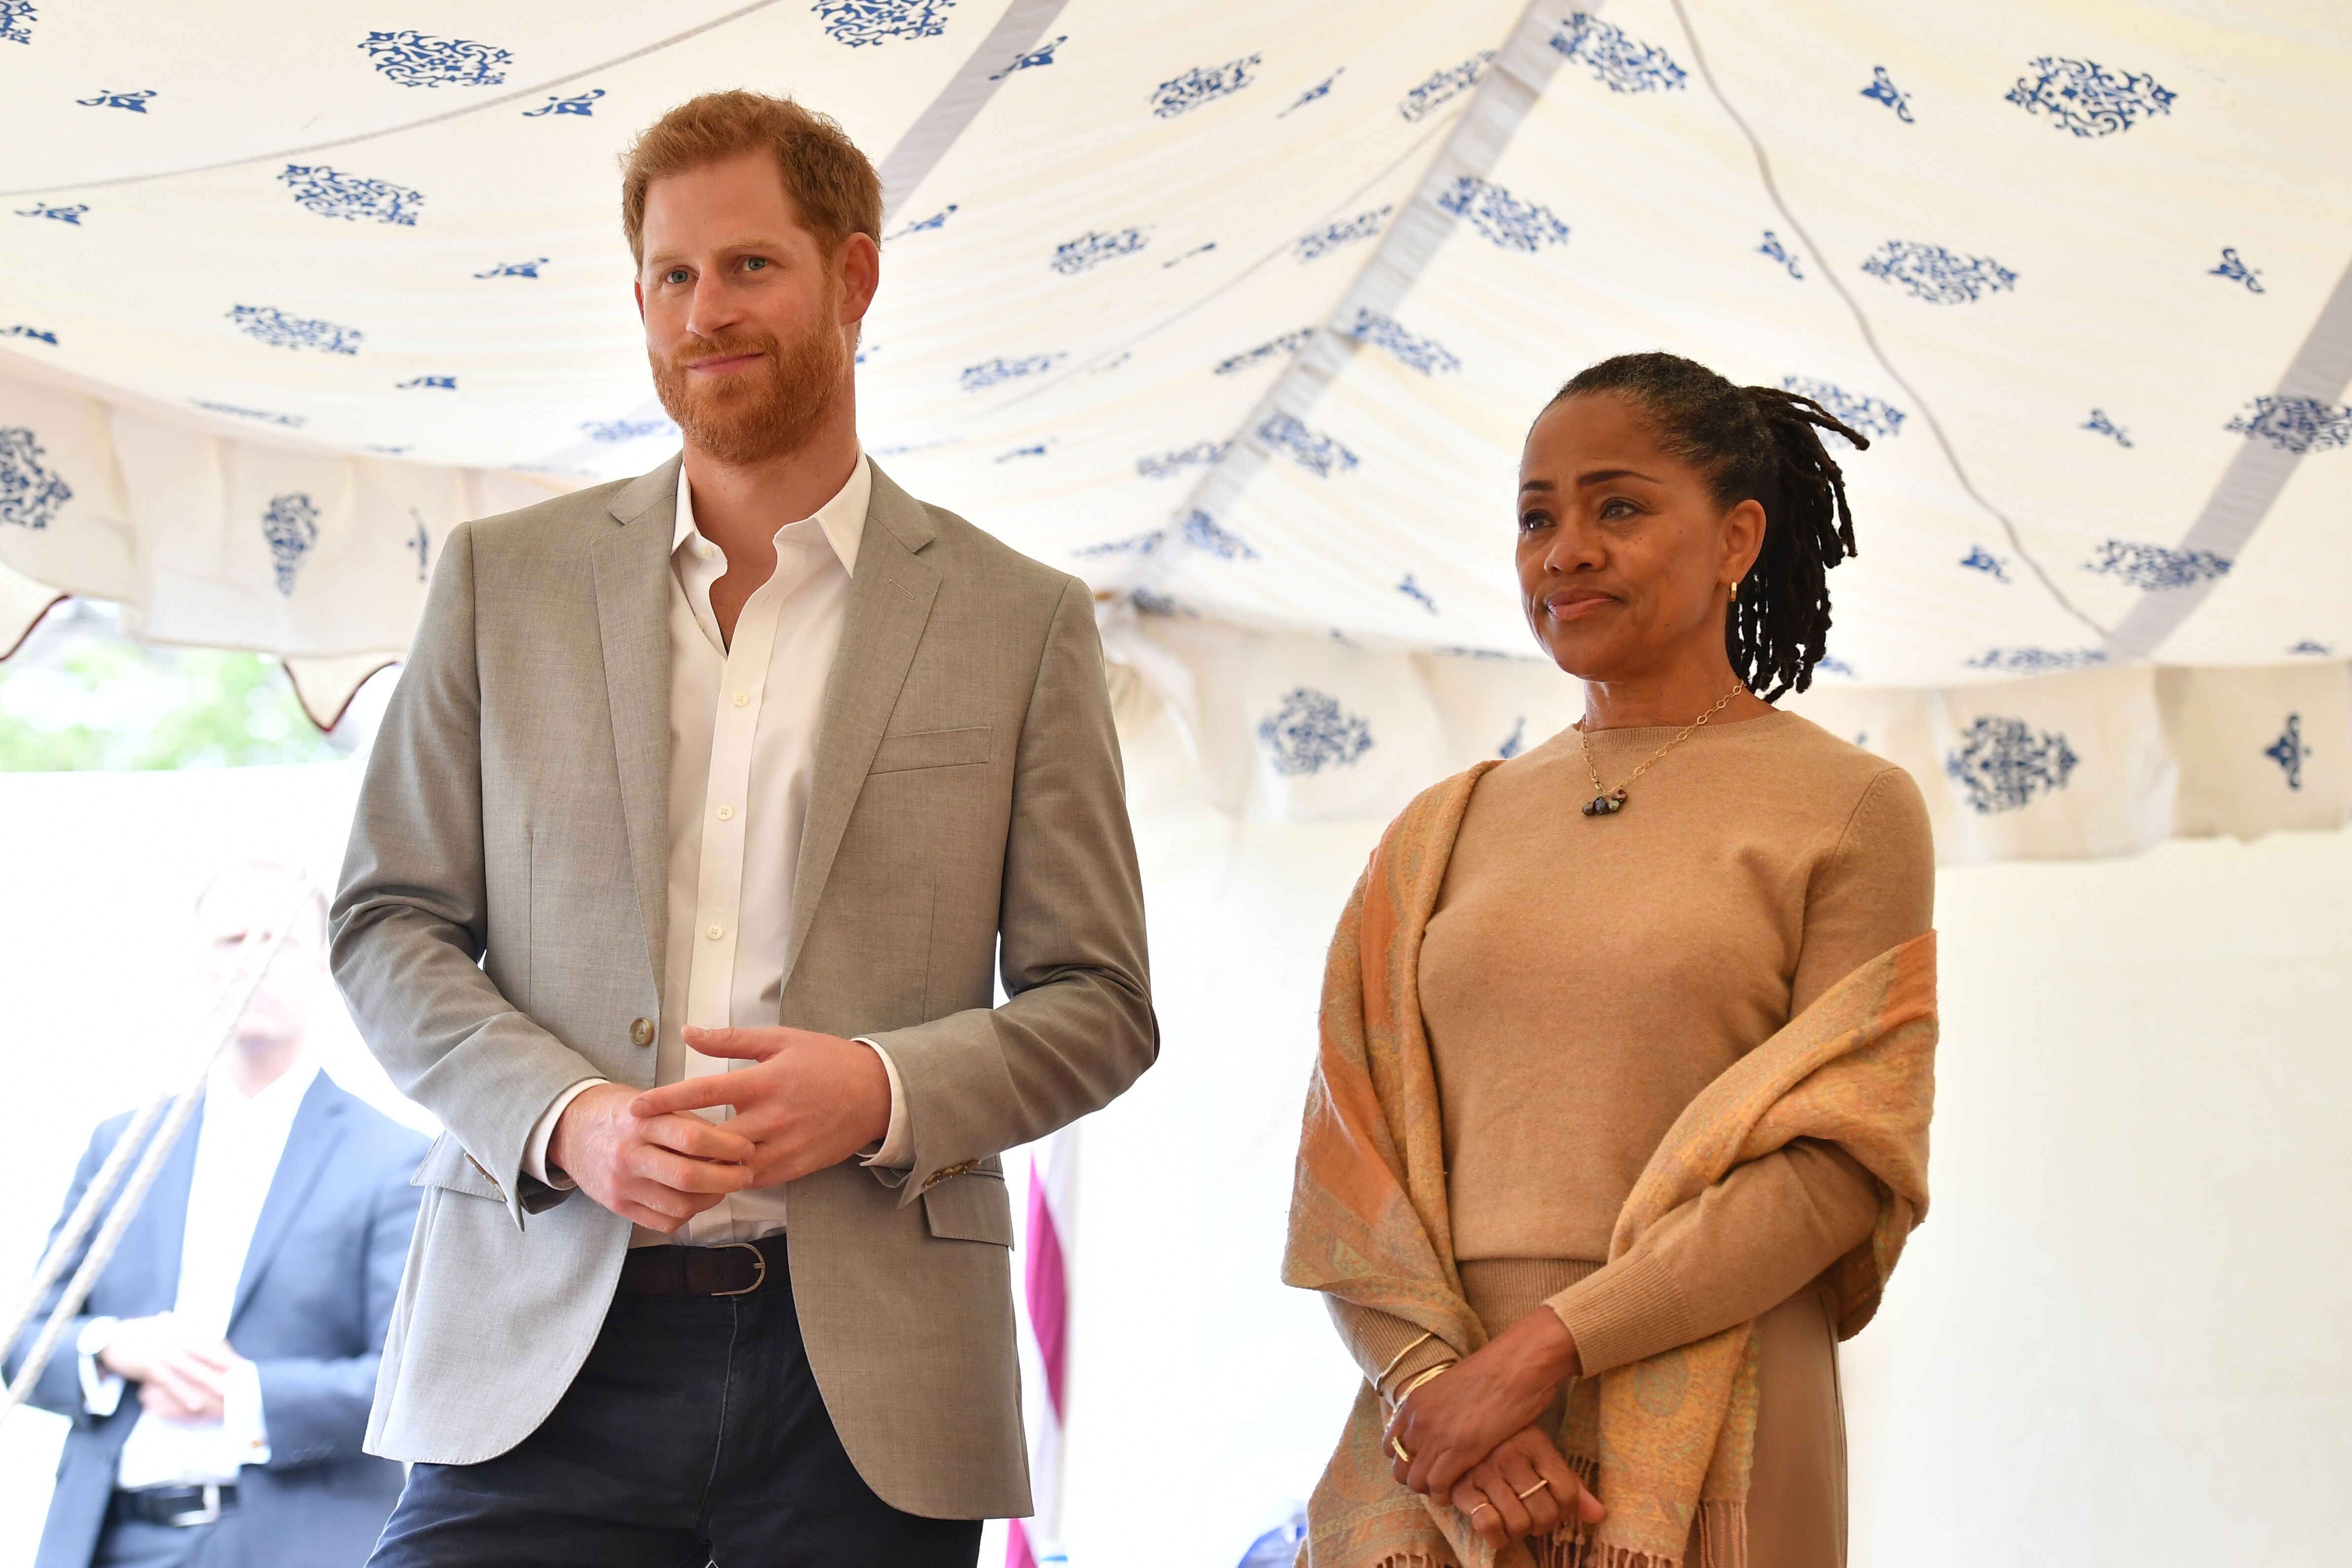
730,1268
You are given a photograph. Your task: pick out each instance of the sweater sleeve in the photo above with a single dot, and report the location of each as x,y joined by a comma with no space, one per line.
1379,1343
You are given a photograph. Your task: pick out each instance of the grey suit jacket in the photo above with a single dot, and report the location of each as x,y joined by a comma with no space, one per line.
309,1312
501,925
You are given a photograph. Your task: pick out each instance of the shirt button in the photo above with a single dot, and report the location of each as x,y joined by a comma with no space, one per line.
641,1031
704,551
726,813
714,932
742,698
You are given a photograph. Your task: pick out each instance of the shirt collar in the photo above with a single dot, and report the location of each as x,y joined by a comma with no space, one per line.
842,518
278,1100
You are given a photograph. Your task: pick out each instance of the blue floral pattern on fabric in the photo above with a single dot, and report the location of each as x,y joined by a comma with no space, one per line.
1503,218
858,23
426,383
16,18
1869,415
1176,461
2154,568
237,411
30,496
515,268
996,372
1149,602
1310,732
1620,63
1040,55
291,527
2296,425
2098,424
1091,249
37,334
1203,532
2289,751
2086,98
1883,89
330,193
1780,253
1980,559
1202,84
1516,742
1034,449
1417,594
1332,236
1135,544
2002,764
1318,453
420,545
420,60
2311,648
72,214
580,103
2035,661
1273,348
1444,86
2237,271
267,324
1408,348
1828,664
612,432
1930,272
923,224
108,98
1321,90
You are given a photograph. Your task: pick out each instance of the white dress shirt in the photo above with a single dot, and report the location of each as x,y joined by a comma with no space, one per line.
743,722
238,1143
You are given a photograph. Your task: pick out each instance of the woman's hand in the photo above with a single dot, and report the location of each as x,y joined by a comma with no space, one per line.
1524,1488
1450,1423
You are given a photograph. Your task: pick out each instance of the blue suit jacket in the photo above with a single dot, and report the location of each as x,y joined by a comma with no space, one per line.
311,1309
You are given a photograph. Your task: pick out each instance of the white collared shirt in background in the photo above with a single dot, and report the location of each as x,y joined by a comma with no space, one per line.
239,1143
742,754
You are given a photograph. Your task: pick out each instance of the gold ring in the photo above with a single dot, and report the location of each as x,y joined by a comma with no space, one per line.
1398,1446
1474,1512
1533,1489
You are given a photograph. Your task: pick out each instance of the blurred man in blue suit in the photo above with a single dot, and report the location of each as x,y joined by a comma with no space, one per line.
219,1378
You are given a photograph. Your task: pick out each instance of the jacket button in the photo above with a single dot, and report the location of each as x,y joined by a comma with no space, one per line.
641,1032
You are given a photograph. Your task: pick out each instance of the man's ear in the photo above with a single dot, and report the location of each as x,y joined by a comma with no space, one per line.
858,264
637,288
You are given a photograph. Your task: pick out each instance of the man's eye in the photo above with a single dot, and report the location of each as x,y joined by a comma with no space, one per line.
675,275
753,263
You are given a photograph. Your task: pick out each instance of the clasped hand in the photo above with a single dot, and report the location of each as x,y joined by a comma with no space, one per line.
1475,1440
182,1375
812,1101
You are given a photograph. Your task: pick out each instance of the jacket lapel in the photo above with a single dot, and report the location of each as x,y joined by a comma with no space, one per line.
889,601
318,1128
632,588
164,1215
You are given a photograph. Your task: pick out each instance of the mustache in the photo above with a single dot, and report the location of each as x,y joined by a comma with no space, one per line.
694,350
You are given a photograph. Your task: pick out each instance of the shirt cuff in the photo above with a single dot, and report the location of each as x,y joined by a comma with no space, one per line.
534,1153
242,1424
897,1151
101,1390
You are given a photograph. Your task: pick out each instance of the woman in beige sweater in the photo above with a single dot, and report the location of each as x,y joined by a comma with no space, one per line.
1628,910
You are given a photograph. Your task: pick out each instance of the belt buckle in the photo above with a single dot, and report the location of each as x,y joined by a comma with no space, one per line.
209,1514
758,1279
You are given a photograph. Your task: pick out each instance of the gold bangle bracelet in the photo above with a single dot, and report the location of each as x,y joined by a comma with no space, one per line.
1397,1360
1424,1375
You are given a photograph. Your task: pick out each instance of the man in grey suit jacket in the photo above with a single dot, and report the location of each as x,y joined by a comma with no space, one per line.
752,763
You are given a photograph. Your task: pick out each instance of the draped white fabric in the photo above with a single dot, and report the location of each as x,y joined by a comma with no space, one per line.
1241,311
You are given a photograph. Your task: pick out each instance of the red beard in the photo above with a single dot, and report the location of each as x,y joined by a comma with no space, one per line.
766,411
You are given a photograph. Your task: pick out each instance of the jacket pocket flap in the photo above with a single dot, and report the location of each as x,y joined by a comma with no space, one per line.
935,748
446,1165
974,1206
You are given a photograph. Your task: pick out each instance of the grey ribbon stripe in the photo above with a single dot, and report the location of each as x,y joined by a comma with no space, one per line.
959,103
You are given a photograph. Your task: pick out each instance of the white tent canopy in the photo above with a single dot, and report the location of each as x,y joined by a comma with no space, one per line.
1241,312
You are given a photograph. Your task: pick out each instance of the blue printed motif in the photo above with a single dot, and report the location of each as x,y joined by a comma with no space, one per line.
2296,425
515,268
1516,742
1444,86
1417,594
421,544
420,60
1318,453
937,220
332,194
1034,449
426,383
996,372
1310,732
1332,236
2237,271
1033,59
1870,415
1411,350
580,103
1780,253
30,496
267,324
1202,84
2154,567
1188,255
1883,88
2002,764
1091,249
289,421
291,527
2289,751
1830,664
1202,531
1139,544
37,334
2098,424
1502,217
2035,661
71,215
2087,98
1176,461
612,432
1934,274
108,98
1273,348
1320,89
857,23
1980,559
1149,602
2312,648
17,17
1620,63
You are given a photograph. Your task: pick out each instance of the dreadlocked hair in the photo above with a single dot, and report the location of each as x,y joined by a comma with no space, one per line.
1759,443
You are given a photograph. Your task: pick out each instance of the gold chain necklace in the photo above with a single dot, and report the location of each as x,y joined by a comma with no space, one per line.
1607,802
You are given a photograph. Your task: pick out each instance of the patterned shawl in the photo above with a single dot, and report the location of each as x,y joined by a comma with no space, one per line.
1668,1440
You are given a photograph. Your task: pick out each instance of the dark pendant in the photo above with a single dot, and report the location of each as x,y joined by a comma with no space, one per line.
1605,805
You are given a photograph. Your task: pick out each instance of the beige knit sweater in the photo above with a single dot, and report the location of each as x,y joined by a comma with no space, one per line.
1585,977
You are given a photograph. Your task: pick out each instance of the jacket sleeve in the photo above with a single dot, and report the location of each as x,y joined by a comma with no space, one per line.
60,1387
316,1408
1078,1027
411,922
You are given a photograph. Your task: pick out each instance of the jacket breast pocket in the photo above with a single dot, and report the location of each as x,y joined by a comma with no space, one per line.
974,1206
447,1165
935,748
